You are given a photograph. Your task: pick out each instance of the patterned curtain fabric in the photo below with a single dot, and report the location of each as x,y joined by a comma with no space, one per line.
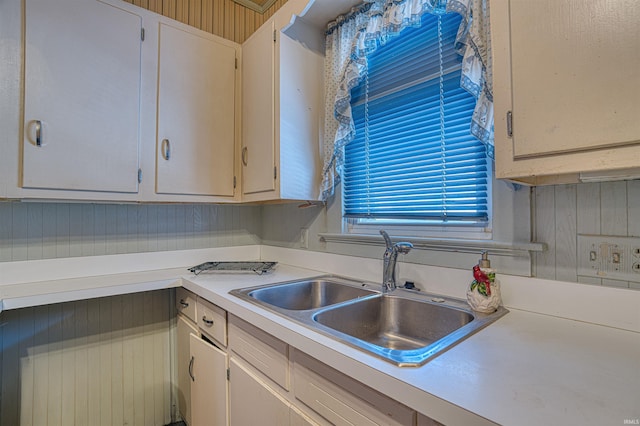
354,35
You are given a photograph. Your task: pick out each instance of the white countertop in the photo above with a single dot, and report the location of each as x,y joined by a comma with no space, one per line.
525,369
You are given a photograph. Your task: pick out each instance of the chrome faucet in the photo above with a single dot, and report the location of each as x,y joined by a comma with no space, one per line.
389,261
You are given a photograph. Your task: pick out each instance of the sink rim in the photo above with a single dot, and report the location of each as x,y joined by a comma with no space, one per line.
399,357
354,286
418,356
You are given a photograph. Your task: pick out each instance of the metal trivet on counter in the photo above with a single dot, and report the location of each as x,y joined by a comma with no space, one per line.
257,267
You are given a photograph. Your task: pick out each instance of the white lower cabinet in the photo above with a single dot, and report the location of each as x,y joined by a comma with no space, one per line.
185,328
252,401
268,407
208,371
267,382
298,418
201,329
296,389
342,400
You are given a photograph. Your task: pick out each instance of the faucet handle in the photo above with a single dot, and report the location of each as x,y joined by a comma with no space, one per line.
403,247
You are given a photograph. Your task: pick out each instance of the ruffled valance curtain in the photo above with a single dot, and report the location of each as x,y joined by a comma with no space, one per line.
352,36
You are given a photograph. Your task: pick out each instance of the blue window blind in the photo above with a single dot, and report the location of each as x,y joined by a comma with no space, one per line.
413,156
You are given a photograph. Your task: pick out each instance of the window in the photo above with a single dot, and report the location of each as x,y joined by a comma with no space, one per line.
413,160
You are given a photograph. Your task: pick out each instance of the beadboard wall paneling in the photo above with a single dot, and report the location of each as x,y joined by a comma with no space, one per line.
33,231
564,211
103,361
224,18
559,214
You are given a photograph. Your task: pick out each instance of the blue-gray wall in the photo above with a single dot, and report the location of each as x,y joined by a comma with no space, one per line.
31,230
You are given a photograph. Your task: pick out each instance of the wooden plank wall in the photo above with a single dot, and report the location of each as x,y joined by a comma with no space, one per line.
33,231
92,362
224,18
562,212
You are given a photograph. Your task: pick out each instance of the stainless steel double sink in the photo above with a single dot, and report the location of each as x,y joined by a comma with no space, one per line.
405,327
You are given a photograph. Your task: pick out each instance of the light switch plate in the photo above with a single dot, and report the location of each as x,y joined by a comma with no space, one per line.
616,258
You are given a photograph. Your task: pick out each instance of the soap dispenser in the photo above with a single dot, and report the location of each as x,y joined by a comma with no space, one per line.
484,292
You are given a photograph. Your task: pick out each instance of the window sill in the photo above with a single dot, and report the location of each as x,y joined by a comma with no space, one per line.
441,244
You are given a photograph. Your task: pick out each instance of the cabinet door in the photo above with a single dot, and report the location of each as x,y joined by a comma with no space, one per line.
208,384
258,109
343,400
184,329
298,418
252,401
575,69
196,114
82,96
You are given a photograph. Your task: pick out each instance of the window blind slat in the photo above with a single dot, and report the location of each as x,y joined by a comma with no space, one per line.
413,165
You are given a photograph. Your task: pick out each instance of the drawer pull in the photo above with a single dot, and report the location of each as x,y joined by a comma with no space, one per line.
183,303
207,321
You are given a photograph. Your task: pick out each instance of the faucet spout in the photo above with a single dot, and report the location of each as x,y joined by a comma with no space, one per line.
389,261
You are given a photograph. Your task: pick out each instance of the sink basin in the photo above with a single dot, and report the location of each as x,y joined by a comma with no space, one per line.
405,327
308,294
393,322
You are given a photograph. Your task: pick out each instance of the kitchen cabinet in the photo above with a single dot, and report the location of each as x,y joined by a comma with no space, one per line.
116,103
268,407
298,418
259,372
252,401
342,400
184,329
185,326
208,366
212,321
264,352
201,360
297,389
258,134
566,87
186,304
196,113
82,71
208,371
282,107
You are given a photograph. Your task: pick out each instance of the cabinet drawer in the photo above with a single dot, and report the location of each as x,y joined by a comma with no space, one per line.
186,303
264,352
343,400
212,321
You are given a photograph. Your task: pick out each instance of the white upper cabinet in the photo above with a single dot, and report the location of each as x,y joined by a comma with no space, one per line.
196,114
115,103
258,110
568,74
282,111
81,96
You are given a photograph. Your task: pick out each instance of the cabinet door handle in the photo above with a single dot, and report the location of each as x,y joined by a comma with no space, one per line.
193,379
207,321
38,133
245,155
166,149
183,303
